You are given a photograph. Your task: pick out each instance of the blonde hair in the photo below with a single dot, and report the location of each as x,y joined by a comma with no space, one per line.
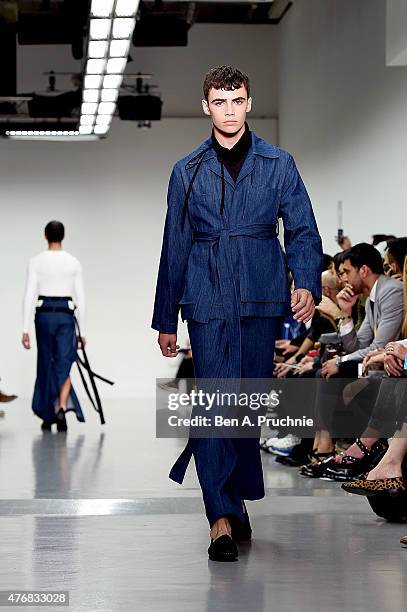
404,326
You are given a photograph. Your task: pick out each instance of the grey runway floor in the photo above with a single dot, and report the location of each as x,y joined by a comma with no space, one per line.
94,513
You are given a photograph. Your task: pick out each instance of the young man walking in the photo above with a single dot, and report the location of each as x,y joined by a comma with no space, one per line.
222,264
54,277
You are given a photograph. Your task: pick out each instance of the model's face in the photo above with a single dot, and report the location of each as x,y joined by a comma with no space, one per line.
227,108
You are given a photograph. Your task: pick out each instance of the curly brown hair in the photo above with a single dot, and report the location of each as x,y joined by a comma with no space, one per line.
225,77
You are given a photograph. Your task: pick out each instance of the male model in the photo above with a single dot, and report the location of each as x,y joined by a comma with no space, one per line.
222,264
54,276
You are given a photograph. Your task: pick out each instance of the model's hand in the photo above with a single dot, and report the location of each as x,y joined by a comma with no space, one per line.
347,299
329,368
168,344
302,305
26,341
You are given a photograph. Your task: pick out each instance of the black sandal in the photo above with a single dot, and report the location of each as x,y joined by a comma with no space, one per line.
351,468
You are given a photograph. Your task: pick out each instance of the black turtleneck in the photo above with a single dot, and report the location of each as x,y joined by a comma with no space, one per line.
233,158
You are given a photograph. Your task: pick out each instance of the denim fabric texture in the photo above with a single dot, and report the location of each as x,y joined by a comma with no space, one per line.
56,344
238,248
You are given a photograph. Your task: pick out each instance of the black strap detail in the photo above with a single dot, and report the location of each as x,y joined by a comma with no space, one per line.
222,201
54,309
362,447
55,299
83,364
199,159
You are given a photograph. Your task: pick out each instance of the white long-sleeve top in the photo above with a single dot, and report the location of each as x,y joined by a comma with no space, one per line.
55,274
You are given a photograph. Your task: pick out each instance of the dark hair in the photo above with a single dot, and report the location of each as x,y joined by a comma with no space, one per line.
225,77
326,261
377,238
364,254
338,259
397,250
54,231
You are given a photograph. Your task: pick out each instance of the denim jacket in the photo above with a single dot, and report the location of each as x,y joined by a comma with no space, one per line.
232,264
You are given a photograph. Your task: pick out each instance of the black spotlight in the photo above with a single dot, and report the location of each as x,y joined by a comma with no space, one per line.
142,107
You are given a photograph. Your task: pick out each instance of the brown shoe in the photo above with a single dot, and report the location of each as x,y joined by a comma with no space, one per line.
383,486
7,398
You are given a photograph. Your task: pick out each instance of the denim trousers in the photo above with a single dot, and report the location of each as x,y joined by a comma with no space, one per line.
56,345
229,470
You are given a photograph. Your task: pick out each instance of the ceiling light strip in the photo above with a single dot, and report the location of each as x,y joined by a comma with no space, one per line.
110,31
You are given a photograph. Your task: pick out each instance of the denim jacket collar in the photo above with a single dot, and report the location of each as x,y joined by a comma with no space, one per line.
259,147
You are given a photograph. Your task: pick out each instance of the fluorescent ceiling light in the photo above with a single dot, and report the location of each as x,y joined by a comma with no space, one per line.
92,81
112,81
102,8
119,48
123,27
116,65
90,95
103,119
97,48
88,108
40,133
87,119
85,129
100,28
95,66
101,129
109,95
106,108
126,8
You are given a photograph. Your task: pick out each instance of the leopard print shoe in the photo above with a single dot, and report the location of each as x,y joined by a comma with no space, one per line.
384,486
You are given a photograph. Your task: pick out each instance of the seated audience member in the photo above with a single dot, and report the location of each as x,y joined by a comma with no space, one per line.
322,323
362,274
392,358
393,260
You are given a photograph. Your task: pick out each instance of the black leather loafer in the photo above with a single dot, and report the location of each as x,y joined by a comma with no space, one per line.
223,549
46,426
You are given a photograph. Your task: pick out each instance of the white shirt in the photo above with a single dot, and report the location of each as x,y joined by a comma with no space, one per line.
55,274
347,327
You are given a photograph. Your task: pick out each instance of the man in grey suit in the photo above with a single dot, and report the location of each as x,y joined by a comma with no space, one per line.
362,273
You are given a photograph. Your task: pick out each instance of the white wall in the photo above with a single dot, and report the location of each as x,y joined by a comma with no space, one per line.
111,197
343,114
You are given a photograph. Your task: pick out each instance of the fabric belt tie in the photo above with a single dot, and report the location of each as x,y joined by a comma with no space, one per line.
220,264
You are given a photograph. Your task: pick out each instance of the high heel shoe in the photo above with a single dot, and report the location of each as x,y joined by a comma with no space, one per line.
223,549
351,468
61,420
